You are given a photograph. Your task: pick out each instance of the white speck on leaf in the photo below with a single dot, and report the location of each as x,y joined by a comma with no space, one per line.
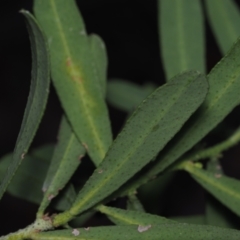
50,197
87,228
23,155
218,175
143,228
75,232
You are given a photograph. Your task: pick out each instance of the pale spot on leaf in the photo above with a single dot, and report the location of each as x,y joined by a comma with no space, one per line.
23,155
100,171
218,175
87,228
75,232
50,197
143,228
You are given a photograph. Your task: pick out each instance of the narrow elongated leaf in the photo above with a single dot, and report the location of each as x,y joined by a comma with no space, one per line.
225,189
37,98
82,219
124,217
66,198
153,232
223,96
27,184
181,30
224,18
219,215
192,219
216,213
147,131
66,159
75,72
99,54
126,95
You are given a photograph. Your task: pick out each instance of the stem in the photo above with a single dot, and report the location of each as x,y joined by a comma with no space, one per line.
209,152
217,149
38,226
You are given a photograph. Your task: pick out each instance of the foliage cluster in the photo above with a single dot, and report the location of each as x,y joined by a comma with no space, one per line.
161,135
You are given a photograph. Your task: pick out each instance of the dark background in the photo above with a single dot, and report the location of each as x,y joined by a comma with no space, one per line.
129,29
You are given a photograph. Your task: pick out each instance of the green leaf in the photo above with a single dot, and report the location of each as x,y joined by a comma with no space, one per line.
100,56
216,213
126,95
133,203
65,199
27,184
82,219
155,232
192,219
223,96
66,159
224,188
123,217
219,215
37,98
147,131
76,73
181,30
224,18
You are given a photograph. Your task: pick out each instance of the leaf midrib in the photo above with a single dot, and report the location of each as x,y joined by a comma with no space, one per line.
81,90
76,208
197,173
